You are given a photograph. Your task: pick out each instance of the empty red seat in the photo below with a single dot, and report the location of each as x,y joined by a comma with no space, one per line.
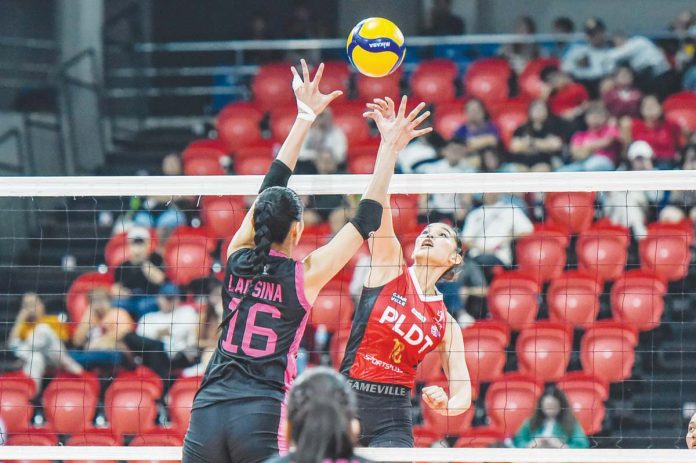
349,118
70,404
666,250
33,437
271,86
223,214
16,392
484,346
370,88
264,149
238,125
603,250
367,148
116,252
573,210
158,437
487,79
542,254
544,350
337,347
433,81
573,297
680,100
362,164
404,211
187,260
282,119
130,406
430,369
637,298
480,437
511,400
204,157
512,298
94,437
143,374
607,350
424,437
336,76
333,311
508,120
76,299
252,166
445,426
448,118
530,80
180,401
586,395
684,117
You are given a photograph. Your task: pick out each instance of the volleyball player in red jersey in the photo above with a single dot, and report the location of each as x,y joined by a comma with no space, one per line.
401,317
237,412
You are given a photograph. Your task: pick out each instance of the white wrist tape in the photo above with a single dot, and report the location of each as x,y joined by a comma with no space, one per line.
303,110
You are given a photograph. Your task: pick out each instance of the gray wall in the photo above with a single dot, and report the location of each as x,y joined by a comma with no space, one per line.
402,12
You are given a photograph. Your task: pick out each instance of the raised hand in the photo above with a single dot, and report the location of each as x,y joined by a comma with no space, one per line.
397,127
307,90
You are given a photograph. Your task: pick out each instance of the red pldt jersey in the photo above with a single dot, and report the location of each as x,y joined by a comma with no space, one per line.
394,327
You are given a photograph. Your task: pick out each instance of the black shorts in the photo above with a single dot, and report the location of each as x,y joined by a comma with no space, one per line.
234,431
385,418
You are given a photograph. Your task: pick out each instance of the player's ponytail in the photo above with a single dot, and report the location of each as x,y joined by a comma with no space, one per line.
321,411
263,214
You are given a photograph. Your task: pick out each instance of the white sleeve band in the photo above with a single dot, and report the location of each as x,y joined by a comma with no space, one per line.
305,112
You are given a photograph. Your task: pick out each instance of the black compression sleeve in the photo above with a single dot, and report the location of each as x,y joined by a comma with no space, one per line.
278,175
368,217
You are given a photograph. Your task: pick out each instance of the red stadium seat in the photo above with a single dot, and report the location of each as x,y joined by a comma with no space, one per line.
337,348
512,297
423,437
542,254
336,76
544,350
204,157
180,401
603,250
586,395
95,437
448,118
238,125
480,437
146,375
508,120
573,211
264,149
487,79
187,259
684,117
445,426
130,406
607,350
223,214
159,437
349,118
404,211
16,392
637,298
666,250
71,403
573,297
282,119
370,88
511,400
76,299
252,166
271,86
680,100
367,148
116,253
362,164
197,234
33,437
530,80
484,344
433,81
430,369
333,311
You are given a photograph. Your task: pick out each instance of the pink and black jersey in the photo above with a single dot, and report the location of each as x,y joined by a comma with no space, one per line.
394,327
257,350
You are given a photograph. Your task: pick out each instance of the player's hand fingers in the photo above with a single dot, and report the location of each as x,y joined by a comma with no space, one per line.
412,115
305,71
420,119
390,105
420,133
373,106
382,104
333,95
402,107
319,73
295,74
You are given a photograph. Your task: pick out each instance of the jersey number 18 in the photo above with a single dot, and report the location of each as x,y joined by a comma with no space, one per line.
252,330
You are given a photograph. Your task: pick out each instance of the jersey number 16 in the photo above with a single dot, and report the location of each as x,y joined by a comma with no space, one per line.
252,330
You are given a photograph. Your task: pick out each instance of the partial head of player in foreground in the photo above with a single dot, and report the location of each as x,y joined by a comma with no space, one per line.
267,295
401,317
691,433
322,424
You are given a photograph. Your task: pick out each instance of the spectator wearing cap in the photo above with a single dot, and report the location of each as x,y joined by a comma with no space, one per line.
631,209
622,99
566,98
596,148
585,61
168,338
138,279
691,433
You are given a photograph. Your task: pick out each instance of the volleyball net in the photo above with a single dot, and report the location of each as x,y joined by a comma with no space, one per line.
576,282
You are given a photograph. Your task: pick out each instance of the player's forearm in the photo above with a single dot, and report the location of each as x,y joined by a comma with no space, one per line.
290,150
384,169
461,400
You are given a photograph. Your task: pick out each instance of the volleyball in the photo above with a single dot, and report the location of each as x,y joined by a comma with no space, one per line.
376,47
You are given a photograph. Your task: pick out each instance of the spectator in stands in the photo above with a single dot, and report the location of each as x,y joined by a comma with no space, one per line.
442,21
322,208
653,72
259,30
479,133
490,229
566,98
208,330
37,340
682,203
536,144
167,339
585,61
684,26
103,326
553,425
662,134
691,433
562,25
3,432
596,148
323,136
622,99
138,279
421,150
521,53
631,208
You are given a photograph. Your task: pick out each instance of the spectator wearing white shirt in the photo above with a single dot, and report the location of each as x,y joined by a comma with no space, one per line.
585,62
323,135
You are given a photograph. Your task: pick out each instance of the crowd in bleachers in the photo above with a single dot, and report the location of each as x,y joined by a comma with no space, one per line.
592,107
